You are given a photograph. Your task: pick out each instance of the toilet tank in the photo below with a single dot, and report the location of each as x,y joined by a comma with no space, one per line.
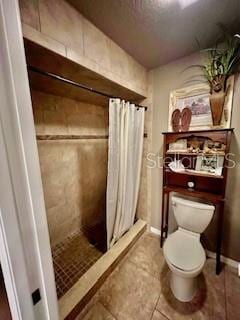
192,215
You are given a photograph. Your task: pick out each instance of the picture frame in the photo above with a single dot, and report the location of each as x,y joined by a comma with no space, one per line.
210,164
196,98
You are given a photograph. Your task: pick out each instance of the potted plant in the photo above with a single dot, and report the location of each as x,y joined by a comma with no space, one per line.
222,61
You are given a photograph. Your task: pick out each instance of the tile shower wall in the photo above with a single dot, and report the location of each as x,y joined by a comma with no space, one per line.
73,171
58,26
55,24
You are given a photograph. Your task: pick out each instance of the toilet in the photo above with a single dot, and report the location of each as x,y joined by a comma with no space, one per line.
182,250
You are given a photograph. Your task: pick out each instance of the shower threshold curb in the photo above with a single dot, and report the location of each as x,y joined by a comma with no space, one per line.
78,296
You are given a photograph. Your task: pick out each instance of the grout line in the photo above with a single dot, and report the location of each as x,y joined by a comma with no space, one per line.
140,267
163,315
62,270
154,309
68,272
115,317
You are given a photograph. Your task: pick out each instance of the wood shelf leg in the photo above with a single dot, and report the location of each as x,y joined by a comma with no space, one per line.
163,220
166,215
219,237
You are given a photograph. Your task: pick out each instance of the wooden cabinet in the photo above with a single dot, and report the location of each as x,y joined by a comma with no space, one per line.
205,160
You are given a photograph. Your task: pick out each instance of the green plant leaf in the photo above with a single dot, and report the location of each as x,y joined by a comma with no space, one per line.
222,59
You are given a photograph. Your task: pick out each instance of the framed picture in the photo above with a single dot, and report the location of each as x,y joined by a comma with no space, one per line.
212,164
196,98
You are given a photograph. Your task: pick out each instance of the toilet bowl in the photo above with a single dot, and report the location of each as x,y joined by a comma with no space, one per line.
182,250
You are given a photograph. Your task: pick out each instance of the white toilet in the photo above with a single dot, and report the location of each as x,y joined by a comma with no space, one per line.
183,251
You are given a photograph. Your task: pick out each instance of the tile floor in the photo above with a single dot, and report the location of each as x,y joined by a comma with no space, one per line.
138,289
71,259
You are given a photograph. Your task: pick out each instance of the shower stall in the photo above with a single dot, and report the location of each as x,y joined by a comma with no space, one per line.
71,116
72,144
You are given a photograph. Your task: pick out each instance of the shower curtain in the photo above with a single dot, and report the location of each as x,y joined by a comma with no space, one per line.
126,130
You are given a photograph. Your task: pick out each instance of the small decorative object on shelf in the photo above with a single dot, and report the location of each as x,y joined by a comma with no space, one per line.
211,147
186,117
181,119
178,146
177,166
196,165
210,164
176,116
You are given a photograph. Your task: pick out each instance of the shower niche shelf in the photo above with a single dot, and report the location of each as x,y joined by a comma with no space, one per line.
41,58
197,170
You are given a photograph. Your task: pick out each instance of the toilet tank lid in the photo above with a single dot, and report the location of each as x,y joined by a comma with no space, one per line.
192,204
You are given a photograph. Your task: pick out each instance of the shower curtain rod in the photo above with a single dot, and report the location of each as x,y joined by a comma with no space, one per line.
76,84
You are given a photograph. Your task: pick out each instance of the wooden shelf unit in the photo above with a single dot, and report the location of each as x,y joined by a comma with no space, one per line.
207,187
194,154
197,173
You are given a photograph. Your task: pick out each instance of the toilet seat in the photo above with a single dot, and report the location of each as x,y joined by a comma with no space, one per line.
184,251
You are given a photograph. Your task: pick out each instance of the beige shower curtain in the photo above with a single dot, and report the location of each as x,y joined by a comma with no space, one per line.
126,129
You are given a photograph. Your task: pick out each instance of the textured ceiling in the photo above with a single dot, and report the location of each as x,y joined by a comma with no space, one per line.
156,32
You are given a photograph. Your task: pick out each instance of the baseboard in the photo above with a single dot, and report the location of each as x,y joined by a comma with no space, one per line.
155,231
227,261
210,254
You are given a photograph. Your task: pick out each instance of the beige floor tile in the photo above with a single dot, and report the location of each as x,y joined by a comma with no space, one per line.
130,293
232,285
97,312
148,255
158,316
209,303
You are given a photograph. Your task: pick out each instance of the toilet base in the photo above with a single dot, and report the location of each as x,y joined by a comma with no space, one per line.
184,289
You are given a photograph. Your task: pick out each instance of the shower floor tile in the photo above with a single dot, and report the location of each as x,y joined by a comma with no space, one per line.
71,259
